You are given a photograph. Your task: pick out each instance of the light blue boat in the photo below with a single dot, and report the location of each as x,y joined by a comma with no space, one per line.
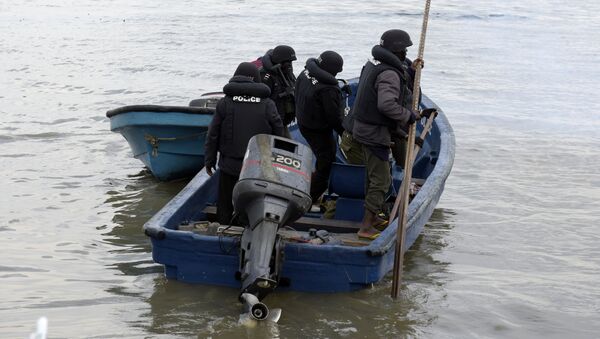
190,253
169,140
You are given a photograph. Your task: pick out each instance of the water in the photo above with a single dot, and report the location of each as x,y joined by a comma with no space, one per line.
512,250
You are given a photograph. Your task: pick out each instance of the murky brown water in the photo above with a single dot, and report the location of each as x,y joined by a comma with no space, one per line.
511,252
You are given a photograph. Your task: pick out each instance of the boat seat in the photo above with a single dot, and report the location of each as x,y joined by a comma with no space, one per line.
347,180
348,183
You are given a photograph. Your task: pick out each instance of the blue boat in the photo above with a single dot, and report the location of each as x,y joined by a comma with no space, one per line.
169,140
194,251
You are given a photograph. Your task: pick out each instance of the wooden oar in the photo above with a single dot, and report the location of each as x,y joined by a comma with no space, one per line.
408,164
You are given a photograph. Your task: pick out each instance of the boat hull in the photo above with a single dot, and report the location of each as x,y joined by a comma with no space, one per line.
196,258
169,143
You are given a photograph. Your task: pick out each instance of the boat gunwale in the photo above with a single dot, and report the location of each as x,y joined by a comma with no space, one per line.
159,122
433,185
160,109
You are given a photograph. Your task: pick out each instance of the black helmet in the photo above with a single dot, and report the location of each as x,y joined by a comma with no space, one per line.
283,53
248,69
395,40
331,62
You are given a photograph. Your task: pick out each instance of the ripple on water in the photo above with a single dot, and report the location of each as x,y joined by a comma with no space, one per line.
79,302
25,155
114,91
81,252
21,269
14,275
35,136
67,185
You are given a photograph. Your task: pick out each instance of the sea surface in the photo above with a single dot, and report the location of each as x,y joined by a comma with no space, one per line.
512,250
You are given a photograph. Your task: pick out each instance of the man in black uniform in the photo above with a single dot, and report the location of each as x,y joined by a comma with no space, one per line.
245,111
319,110
382,107
277,73
352,149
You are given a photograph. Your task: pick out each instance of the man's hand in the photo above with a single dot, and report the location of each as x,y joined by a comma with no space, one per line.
428,112
414,116
419,141
418,63
346,89
209,170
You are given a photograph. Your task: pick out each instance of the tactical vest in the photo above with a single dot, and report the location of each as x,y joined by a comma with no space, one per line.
309,111
365,105
244,107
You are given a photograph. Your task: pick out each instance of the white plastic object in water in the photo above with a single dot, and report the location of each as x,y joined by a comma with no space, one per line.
41,329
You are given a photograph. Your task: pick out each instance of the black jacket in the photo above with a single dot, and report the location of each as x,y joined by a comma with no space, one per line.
366,105
318,99
245,111
281,83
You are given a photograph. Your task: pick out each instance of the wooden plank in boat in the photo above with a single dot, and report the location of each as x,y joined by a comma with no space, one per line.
305,223
208,228
330,225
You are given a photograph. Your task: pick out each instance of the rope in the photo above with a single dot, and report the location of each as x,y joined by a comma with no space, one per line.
236,241
154,141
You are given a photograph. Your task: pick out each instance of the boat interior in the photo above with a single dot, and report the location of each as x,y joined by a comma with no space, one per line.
342,207
339,215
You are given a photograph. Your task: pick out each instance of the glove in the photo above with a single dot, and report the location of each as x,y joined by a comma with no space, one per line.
419,141
413,118
347,90
417,63
428,112
209,170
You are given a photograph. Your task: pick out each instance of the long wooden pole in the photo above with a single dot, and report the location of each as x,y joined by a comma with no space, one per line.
399,200
408,164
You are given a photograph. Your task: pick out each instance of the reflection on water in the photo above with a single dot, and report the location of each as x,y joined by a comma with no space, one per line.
134,201
137,200
197,310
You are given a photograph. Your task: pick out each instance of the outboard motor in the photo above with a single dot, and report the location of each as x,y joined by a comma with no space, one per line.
273,190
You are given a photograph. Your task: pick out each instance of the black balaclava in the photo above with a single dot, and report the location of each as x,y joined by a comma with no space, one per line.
331,62
396,41
248,69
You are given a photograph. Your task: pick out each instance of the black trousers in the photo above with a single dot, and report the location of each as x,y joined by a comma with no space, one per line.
224,202
323,145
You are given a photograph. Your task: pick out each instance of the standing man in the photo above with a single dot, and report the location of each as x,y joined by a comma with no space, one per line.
382,105
319,110
245,111
277,72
